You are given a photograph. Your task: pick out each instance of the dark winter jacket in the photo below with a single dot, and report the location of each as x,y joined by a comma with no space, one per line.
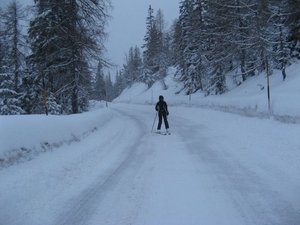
161,106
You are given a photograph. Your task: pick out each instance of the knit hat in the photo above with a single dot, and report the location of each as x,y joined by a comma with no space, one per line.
161,97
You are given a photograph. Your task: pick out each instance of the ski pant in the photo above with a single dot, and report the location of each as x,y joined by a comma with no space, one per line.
160,116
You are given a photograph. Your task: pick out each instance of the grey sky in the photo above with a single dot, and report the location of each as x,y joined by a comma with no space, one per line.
128,26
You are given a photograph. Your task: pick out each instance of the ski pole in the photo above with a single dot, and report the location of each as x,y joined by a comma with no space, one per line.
154,121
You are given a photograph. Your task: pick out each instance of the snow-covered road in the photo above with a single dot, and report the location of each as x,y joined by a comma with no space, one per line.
215,168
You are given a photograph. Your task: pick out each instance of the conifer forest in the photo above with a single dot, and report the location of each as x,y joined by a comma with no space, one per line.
53,55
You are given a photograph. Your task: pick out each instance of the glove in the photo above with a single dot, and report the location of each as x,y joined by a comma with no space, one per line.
167,113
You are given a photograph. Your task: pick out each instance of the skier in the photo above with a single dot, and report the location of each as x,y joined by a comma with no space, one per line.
162,109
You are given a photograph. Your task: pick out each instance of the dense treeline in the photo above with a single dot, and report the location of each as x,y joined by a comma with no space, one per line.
51,69
216,39
57,65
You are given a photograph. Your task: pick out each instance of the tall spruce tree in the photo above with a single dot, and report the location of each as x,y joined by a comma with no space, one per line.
257,39
279,31
66,37
119,84
109,88
99,85
132,68
176,54
151,52
12,59
218,52
294,21
192,44
163,57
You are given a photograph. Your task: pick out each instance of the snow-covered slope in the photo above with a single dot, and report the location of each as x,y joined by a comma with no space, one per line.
250,98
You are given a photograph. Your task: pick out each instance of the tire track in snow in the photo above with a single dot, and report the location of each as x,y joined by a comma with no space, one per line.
86,204
252,197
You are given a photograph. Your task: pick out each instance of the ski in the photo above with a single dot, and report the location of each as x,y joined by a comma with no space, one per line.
166,133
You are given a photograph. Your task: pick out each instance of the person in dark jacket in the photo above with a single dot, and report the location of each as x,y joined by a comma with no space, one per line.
162,110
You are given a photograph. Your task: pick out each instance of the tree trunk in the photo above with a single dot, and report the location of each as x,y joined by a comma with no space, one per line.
243,65
75,99
283,73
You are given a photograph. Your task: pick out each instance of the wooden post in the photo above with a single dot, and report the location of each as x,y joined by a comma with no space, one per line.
269,95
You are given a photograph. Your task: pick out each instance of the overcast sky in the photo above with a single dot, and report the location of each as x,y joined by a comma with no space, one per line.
128,25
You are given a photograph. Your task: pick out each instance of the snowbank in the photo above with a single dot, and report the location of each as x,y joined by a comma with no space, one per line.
24,136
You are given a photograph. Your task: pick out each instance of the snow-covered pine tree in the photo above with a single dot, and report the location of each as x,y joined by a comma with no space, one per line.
279,34
175,53
12,43
32,98
99,85
67,38
3,46
49,52
191,44
256,44
218,52
241,20
137,63
184,24
119,84
151,52
9,98
163,54
109,87
133,66
294,22
12,18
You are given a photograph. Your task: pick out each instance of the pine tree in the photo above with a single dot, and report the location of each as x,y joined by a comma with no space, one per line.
109,88
218,52
12,43
163,53
119,84
191,44
15,39
9,99
176,53
294,22
46,40
279,31
33,101
3,46
242,20
150,54
99,86
132,69
66,39
258,35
